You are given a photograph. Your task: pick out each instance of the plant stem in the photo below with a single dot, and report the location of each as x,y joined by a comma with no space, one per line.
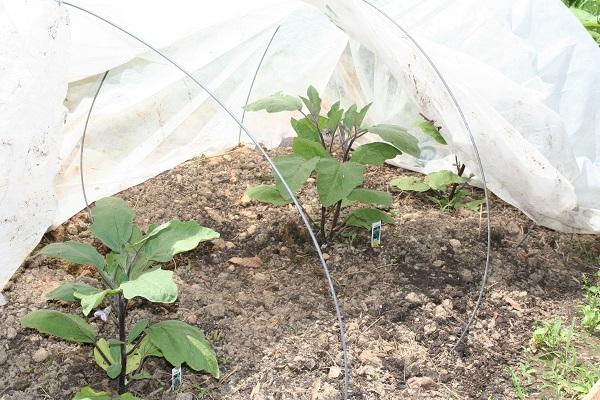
336,216
122,338
322,225
102,353
461,170
316,124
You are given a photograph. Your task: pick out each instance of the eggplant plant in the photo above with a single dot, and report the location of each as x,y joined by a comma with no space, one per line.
129,271
444,188
324,147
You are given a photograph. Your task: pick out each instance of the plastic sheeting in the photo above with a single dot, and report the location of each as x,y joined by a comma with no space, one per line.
519,69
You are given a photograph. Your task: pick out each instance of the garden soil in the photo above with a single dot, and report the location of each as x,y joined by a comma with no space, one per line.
270,316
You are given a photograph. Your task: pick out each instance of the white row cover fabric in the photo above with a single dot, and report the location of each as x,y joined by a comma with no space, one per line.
520,69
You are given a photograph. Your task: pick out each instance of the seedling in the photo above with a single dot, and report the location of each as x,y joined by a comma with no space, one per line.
323,146
130,270
590,312
444,188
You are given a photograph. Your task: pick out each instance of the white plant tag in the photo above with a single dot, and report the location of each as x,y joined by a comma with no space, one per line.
376,234
176,378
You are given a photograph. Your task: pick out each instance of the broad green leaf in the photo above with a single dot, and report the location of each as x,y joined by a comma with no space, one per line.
374,153
308,149
141,376
313,102
275,103
295,171
410,183
267,194
474,205
65,326
365,217
440,180
182,343
306,129
398,137
66,291
112,351
368,196
137,329
116,264
148,349
430,130
113,222
334,116
176,238
78,253
93,300
350,116
335,181
87,393
360,116
156,285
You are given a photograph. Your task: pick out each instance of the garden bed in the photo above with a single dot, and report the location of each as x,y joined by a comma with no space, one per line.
272,321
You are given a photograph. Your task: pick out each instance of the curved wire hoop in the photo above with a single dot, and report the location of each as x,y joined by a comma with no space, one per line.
304,217
479,165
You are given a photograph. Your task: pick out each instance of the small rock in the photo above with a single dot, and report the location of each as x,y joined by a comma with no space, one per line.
414,298
334,372
428,329
284,251
219,244
179,178
420,382
438,263
447,304
72,229
326,256
11,333
466,275
440,312
245,200
40,355
513,228
215,310
191,319
248,262
251,229
184,396
3,356
455,243
229,245
368,357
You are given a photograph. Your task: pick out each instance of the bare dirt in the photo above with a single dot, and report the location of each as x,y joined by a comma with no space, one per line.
274,328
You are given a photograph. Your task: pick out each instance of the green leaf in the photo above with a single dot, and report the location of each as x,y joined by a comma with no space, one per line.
410,183
148,349
156,285
374,153
113,222
308,149
313,103
66,291
176,237
112,351
182,343
306,129
275,103
65,326
335,181
440,180
137,329
430,130
93,300
267,194
360,116
368,196
87,393
295,171
398,137
78,253
365,217
334,116
350,116
474,205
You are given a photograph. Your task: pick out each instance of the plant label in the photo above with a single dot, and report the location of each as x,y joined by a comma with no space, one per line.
376,234
176,378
